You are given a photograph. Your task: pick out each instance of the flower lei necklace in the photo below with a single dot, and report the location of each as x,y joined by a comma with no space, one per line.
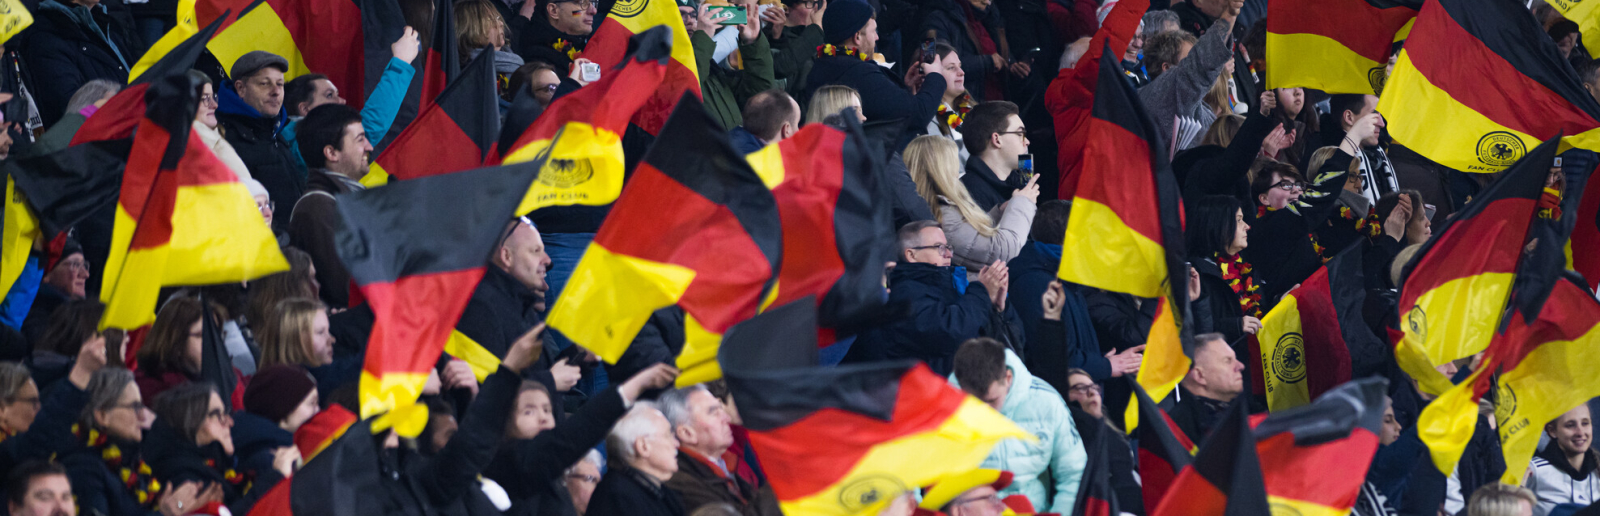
954,118
1322,252
1237,272
830,50
135,474
240,481
1369,225
567,47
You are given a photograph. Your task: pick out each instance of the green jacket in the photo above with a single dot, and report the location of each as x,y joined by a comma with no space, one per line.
725,91
792,56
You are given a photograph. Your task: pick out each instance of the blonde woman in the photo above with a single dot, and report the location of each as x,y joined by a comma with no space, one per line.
830,100
976,238
296,333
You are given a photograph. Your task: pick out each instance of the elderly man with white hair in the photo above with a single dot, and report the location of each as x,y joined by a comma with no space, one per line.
705,476
644,456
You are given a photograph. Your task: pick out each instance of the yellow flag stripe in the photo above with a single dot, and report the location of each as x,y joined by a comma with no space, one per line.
482,361
1283,320
1458,318
1109,255
585,167
20,231
1317,61
394,397
185,28
610,297
1164,363
697,362
259,29
1281,505
1550,381
376,176
1448,422
768,163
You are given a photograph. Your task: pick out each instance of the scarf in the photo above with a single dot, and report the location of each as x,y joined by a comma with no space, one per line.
1237,273
566,47
953,118
1550,204
830,50
135,474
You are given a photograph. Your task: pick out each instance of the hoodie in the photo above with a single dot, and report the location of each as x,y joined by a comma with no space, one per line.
1058,454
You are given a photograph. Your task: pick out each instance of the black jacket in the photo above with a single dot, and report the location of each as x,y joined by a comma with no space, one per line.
986,188
1130,497
1053,346
531,470
1213,170
418,485
501,309
940,318
1196,415
312,224
175,459
1282,250
254,439
537,41
624,491
947,19
883,98
63,54
258,140
1120,320
1218,304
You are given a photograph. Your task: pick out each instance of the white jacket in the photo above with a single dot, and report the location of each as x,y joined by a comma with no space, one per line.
1555,482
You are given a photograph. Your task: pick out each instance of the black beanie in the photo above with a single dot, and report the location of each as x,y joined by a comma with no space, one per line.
843,19
276,390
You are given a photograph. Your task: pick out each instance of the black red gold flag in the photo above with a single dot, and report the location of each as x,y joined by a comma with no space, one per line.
1225,478
1337,46
122,113
1308,339
1314,457
1163,449
340,474
609,47
456,133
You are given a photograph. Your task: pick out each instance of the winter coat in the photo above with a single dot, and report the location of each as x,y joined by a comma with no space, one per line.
1053,346
985,187
1219,301
532,470
255,438
59,136
792,55
257,139
64,51
699,483
1070,95
624,491
1036,407
415,485
537,42
725,91
947,20
941,317
883,98
1130,496
377,113
743,141
1196,415
975,251
1214,170
908,204
1554,482
51,431
1178,91
1282,249
175,459
500,310
313,222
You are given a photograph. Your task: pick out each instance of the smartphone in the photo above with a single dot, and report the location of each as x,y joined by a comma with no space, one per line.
928,56
1428,210
1025,164
591,72
739,17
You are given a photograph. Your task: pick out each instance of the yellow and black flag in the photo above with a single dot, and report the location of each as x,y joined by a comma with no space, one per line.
847,440
1477,84
695,227
1126,229
1454,291
1337,46
182,217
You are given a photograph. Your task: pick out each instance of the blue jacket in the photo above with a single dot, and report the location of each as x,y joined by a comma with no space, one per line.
14,309
254,439
1053,346
378,112
744,141
1036,407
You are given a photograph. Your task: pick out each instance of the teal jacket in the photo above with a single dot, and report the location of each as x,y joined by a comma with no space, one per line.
1058,457
377,114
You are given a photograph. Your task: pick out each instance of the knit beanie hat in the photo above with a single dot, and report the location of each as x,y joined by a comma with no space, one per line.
843,19
276,390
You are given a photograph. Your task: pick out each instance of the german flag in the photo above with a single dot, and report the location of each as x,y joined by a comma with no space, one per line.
1126,228
182,217
1586,14
588,166
826,184
123,112
1095,496
65,187
1306,340
1314,457
456,133
19,228
1461,59
1225,478
847,440
1454,291
1163,449
440,66
340,472
1583,251
694,227
417,252
609,47
1337,46
323,36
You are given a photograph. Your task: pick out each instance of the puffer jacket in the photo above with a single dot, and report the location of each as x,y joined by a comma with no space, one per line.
1554,482
1036,407
975,251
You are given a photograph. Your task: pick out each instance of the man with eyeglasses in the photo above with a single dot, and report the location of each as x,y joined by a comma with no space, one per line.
552,31
65,279
996,137
986,369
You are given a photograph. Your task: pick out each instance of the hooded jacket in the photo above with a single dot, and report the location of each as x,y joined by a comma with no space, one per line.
1554,482
254,439
1036,407
258,140
69,45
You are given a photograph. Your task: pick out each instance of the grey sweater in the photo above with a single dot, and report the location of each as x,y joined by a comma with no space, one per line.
1178,91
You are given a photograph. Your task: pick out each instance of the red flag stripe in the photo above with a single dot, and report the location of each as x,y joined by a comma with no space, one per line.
1113,147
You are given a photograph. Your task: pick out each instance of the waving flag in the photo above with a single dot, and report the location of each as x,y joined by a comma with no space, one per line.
609,47
1307,341
694,227
182,217
1459,62
1163,449
1587,14
1314,457
1337,46
1225,478
455,133
441,64
340,474
1125,233
322,36
18,230
417,252
847,440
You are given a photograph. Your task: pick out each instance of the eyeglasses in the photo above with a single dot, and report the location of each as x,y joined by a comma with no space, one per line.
582,4
1023,132
587,479
1291,185
208,99
132,405
992,500
1358,179
34,400
1084,389
266,208
82,265
943,248
217,414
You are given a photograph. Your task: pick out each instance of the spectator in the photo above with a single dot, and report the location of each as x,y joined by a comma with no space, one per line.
265,292
851,37
510,298
1300,123
171,353
308,91
1084,397
1565,34
1132,67
72,326
978,238
554,31
644,455
1499,499
831,100
278,400
83,103
338,152
296,333
40,488
955,105
480,27
538,78
1221,164
19,398
1564,471
1288,212
66,278
725,89
986,369
205,125
1157,21
1181,71
112,422
1354,118
1197,16
797,45
1590,75
945,309
1213,381
996,138
1230,299
769,117
702,426
71,43
976,32
252,118
191,441
968,494
581,478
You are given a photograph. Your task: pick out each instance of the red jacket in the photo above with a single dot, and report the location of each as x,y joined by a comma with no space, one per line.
1070,97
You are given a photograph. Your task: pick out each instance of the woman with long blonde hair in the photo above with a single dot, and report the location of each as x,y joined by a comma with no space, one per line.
296,333
830,100
976,238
